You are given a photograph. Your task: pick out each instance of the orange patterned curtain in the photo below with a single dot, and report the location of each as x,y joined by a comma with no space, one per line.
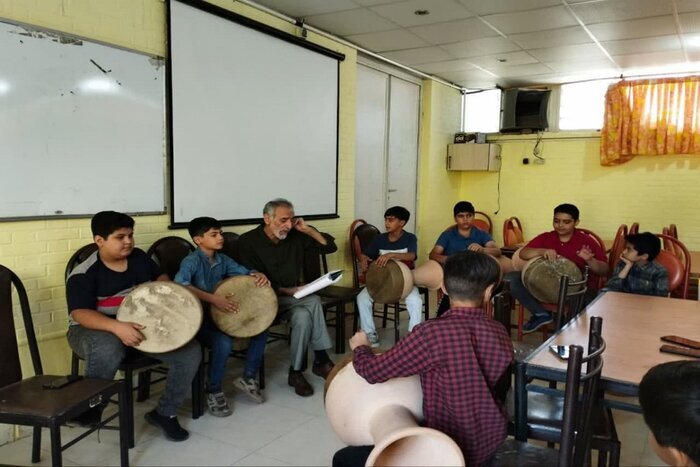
651,117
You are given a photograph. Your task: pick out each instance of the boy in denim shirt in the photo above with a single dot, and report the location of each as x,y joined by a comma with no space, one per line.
200,272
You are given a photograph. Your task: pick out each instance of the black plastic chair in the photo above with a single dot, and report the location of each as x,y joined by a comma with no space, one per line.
582,398
27,401
169,252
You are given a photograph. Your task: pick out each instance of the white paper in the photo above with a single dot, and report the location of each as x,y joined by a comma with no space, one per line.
320,283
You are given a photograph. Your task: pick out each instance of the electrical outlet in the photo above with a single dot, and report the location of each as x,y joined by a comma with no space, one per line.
526,161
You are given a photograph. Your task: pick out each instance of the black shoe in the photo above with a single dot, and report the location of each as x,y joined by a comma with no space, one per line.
90,418
170,426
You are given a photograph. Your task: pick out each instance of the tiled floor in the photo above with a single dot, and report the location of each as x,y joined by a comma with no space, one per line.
285,430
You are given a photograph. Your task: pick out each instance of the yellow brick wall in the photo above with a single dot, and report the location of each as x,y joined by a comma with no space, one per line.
39,250
652,190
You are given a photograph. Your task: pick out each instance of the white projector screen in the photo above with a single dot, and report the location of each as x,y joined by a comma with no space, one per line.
254,116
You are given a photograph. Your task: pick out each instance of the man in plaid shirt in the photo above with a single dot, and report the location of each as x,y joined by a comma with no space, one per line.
463,358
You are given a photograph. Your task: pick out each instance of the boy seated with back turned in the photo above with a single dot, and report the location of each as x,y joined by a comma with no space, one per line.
566,241
95,289
670,398
462,236
200,272
637,271
463,359
396,244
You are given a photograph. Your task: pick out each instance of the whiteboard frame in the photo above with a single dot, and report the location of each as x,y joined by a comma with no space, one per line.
62,34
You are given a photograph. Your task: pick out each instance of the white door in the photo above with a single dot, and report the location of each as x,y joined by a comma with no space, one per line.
387,145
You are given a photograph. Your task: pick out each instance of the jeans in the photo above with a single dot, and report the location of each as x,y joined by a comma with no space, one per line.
308,323
414,305
220,345
520,293
103,352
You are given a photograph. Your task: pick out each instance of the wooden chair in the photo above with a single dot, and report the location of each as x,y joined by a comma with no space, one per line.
483,221
26,401
569,304
617,248
675,257
360,237
513,233
634,228
582,397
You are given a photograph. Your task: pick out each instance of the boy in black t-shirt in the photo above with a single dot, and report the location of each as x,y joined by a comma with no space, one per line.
95,289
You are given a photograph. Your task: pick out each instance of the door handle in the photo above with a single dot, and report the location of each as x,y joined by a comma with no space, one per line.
391,190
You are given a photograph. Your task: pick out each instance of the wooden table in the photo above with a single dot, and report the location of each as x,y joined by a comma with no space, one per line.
632,326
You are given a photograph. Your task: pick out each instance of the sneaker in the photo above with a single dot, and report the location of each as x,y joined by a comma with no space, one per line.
217,404
536,322
170,426
249,387
373,339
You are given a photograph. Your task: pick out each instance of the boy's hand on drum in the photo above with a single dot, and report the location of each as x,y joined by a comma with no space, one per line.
225,303
382,260
475,247
360,338
550,254
261,279
129,333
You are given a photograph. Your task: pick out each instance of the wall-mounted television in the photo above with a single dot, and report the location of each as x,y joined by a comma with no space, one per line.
524,109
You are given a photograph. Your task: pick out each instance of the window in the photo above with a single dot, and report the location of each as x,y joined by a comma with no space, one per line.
582,105
482,111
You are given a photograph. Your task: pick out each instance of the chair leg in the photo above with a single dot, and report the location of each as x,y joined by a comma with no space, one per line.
355,316
261,373
55,433
386,310
521,316
123,426
340,327
129,402
143,392
426,306
397,322
36,444
197,392
75,364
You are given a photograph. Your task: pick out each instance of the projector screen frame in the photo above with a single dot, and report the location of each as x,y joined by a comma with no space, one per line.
266,29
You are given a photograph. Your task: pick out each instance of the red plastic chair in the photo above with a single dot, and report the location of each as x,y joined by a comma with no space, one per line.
676,260
617,247
513,232
483,222
634,228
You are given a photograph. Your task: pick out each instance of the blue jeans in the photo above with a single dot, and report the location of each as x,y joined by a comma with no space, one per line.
522,295
103,352
220,345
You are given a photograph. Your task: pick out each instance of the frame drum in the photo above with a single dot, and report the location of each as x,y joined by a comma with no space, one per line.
389,284
541,277
257,307
171,315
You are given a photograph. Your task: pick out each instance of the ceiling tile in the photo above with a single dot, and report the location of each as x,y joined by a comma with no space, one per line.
480,47
649,60
647,44
543,39
421,55
375,2
300,8
384,41
520,70
473,75
507,59
487,7
533,20
690,22
446,66
617,10
351,22
568,52
440,10
631,29
578,66
453,31
685,6
691,42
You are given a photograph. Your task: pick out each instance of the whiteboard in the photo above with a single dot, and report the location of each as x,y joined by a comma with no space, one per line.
254,117
81,127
